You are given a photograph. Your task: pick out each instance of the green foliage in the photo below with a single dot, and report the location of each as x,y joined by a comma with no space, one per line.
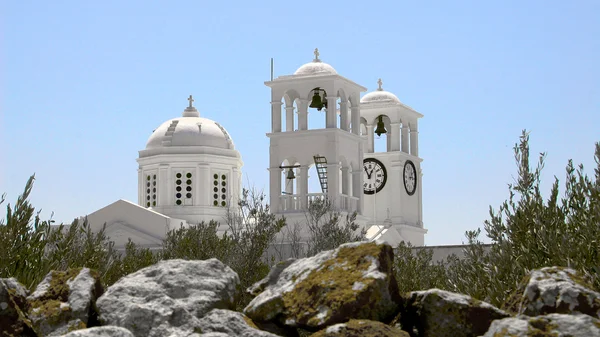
22,241
530,233
416,271
326,232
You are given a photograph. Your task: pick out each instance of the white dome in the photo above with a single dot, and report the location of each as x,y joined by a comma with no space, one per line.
316,68
380,96
190,130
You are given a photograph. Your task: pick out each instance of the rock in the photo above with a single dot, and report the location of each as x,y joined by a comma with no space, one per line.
355,280
559,325
230,323
441,313
168,298
65,301
361,328
102,331
271,278
554,290
13,309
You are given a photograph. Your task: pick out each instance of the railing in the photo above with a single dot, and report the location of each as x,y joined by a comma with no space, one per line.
293,202
348,203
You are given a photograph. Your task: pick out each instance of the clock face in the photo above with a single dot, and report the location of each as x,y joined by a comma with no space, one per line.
374,176
410,177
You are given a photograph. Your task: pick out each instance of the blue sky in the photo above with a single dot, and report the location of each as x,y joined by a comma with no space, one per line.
84,83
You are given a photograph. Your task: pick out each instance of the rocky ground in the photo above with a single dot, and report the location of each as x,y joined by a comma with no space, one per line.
349,291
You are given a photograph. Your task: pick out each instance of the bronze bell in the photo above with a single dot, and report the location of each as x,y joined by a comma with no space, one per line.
316,101
290,175
380,127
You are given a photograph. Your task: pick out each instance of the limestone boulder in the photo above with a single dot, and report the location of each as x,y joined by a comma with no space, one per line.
65,301
355,280
13,309
168,298
439,313
554,290
102,331
230,323
559,325
361,328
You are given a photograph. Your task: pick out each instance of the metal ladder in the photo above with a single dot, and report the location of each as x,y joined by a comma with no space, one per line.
321,165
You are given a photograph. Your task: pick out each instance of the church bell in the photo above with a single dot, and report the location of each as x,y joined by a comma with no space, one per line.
290,175
380,127
317,102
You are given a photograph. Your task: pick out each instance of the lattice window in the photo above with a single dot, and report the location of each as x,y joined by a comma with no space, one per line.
220,189
151,190
183,188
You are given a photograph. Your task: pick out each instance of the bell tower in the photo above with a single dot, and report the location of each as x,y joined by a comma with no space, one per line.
336,150
392,183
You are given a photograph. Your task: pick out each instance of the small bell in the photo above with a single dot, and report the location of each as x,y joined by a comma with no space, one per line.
316,101
290,175
380,127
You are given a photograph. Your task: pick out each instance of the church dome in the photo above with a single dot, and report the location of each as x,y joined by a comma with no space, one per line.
316,67
190,130
380,96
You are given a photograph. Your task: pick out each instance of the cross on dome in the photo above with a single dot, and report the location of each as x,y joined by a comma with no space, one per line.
191,101
316,55
380,83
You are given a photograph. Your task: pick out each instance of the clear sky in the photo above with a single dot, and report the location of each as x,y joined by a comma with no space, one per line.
84,84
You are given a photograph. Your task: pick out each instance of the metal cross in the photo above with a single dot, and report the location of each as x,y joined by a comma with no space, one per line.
380,82
191,101
317,53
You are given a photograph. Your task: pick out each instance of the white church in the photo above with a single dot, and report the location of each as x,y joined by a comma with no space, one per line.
190,171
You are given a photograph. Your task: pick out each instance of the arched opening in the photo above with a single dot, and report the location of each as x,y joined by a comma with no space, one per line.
382,142
317,119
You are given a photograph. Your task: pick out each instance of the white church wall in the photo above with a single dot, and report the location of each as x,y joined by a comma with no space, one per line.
136,217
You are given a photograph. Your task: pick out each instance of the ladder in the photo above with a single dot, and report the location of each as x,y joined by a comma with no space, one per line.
321,165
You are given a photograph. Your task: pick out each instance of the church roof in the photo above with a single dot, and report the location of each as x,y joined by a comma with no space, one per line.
380,96
190,130
316,67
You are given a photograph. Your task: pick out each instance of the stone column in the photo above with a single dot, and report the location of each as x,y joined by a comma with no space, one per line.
302,114
141,185
395,137
405,137
289,118
370,139
276,116
303,186
165,186
357,187
345,181
203,186
333,180
344,120
414,140
275,188
331,118
355,120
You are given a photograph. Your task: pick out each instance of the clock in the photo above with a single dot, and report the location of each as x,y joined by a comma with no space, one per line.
410,177
375,176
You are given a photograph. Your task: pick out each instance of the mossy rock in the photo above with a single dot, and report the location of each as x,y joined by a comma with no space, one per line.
361,328
550,290
13,308
339,289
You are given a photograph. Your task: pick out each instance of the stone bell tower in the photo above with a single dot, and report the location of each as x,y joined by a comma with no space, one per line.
336,150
